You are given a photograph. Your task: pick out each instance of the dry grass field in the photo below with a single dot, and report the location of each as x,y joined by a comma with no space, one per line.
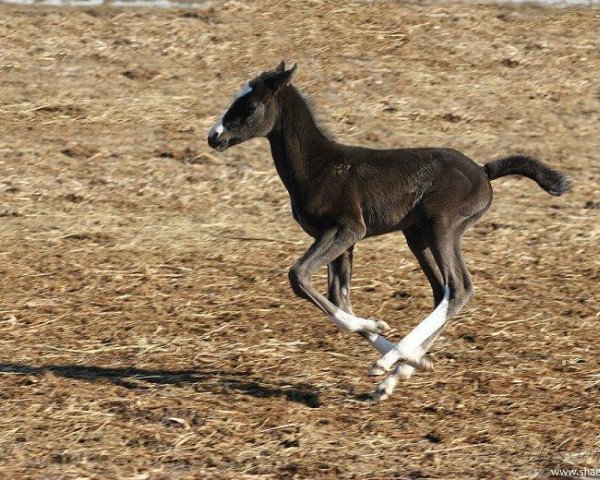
147,329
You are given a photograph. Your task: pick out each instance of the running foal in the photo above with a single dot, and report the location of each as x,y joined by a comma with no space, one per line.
341,194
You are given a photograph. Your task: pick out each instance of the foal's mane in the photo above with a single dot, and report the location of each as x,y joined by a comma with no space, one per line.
310,109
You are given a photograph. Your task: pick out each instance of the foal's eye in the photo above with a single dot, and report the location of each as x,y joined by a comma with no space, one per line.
248,109
252,106
241,111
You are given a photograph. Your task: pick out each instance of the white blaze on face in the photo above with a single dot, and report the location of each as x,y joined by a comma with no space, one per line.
246,89
219,128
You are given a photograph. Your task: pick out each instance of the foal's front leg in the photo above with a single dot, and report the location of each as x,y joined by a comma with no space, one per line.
332,243
339,275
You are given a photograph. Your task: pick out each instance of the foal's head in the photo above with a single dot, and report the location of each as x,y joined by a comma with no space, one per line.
254,111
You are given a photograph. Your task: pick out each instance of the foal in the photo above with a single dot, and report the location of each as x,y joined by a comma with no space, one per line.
341,194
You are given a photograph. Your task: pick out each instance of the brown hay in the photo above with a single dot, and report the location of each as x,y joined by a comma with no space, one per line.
146,324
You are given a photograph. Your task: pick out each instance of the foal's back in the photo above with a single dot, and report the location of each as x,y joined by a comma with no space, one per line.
399,187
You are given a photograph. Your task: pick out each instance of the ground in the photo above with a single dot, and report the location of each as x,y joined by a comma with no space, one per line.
147,328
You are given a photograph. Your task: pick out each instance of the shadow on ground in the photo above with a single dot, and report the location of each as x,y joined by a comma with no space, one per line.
217,381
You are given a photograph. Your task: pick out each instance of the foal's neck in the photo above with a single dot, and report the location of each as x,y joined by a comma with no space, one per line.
298,146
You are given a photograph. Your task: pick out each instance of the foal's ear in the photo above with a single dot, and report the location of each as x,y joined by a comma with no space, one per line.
280,67
280,79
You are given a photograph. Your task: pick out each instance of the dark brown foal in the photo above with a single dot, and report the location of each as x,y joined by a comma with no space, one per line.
341,194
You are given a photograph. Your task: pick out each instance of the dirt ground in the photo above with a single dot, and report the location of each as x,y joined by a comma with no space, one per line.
147,329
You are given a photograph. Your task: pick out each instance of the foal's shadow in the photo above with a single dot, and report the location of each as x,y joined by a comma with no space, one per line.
217,381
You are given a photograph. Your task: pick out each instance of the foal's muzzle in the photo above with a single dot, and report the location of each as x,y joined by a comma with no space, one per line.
217,140
222,140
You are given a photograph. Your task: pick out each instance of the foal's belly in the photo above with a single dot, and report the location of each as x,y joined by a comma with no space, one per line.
377,222
391,223
310,225
390,213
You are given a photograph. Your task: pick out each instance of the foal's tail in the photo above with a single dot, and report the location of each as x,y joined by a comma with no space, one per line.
553,181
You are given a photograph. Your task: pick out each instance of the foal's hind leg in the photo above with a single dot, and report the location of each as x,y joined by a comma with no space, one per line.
467,292
417,242
339,275
445,247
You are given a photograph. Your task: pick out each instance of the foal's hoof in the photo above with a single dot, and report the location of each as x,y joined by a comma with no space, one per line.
379,394
376,370
373,326
381,326
425,365
385,388
388,385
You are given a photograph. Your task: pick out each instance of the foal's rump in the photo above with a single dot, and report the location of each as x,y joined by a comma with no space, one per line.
418,184
459,187
464,186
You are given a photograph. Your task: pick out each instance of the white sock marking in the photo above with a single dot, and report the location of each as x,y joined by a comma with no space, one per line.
419,337
350,323
410,345
219,128
380,343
